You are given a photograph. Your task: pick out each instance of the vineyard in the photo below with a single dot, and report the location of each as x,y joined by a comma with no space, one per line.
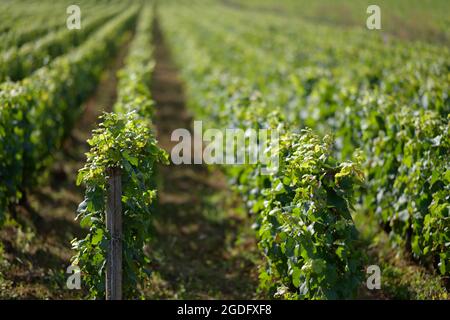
94,177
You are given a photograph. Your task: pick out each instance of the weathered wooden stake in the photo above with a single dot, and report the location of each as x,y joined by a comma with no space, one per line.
114,227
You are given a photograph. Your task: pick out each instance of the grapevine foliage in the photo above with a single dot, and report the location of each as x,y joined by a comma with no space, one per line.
395,110
302,211
124,140
39,111
19,62
305,227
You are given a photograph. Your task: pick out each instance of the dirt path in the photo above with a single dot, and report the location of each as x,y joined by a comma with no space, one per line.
37,255
203,246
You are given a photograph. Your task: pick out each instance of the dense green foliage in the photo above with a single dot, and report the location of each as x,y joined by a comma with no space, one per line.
395,110
124,141
27,21
363,118
425,20
18,62
305,227
15,16
410,181
303,210
38,112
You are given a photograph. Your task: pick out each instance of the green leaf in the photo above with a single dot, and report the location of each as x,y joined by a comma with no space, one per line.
296,273
132,160
97,237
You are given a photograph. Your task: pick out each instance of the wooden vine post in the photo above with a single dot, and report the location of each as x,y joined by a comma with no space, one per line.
114,227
